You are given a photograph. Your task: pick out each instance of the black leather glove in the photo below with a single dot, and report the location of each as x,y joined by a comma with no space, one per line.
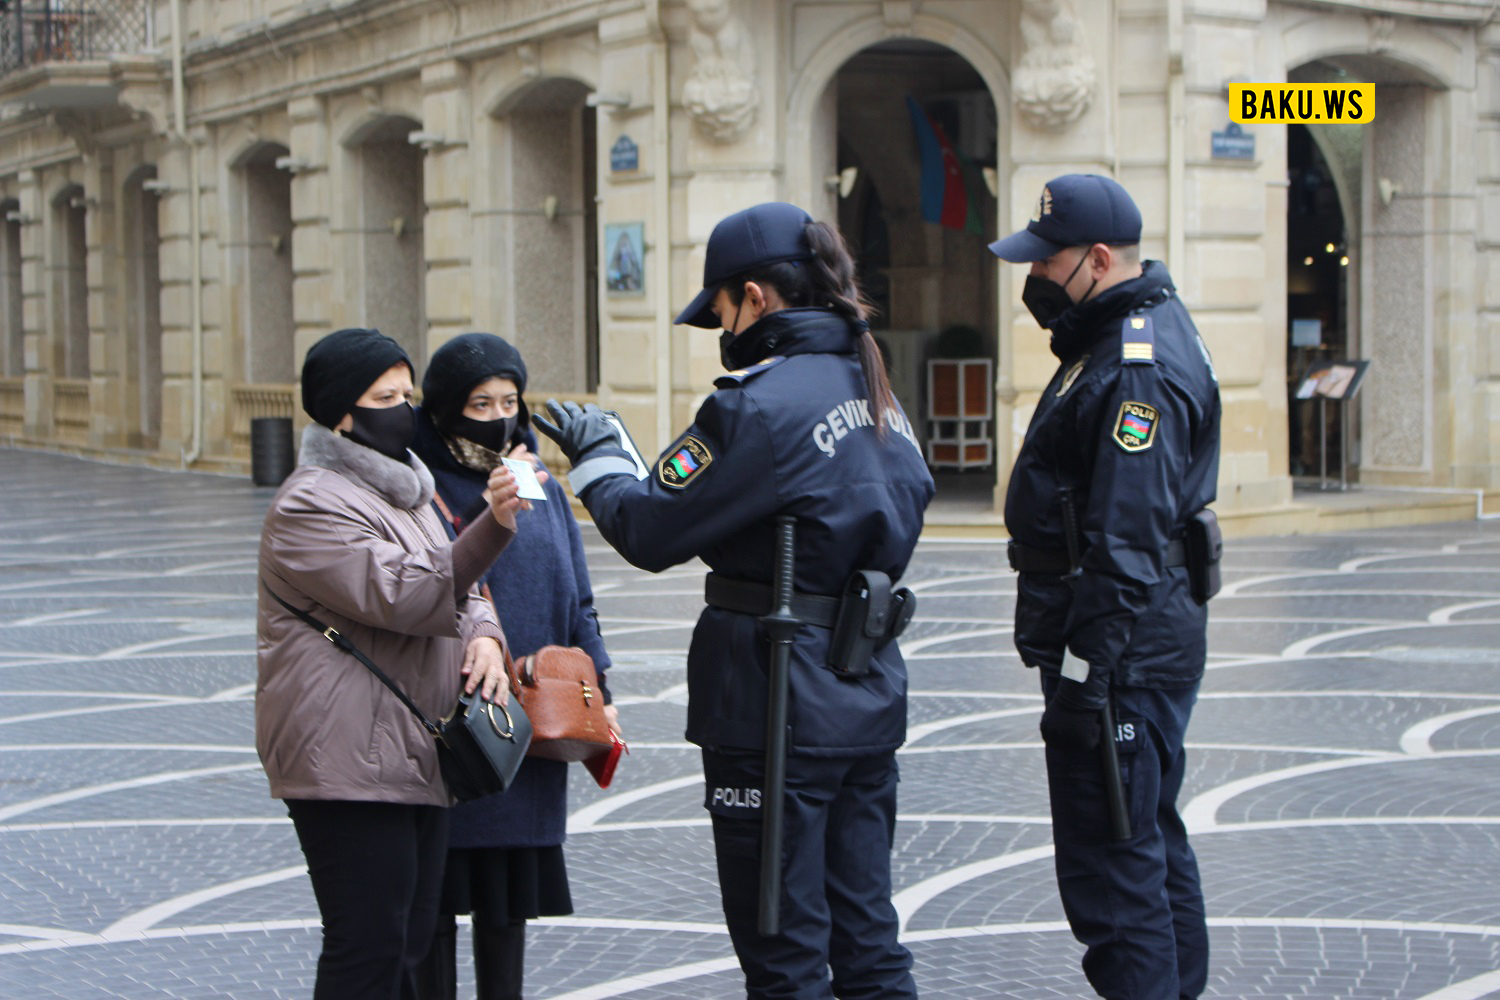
1068,728
582,432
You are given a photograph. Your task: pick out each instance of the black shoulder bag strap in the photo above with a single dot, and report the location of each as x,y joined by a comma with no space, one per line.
342,642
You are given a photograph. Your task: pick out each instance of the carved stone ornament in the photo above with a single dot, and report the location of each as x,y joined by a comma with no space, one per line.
1054,82
721,93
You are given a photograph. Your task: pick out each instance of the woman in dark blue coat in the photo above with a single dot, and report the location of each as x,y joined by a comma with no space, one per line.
505,859
803,425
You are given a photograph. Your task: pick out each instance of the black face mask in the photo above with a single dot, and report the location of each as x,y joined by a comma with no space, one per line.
387,429
1047,300
726,340
492,434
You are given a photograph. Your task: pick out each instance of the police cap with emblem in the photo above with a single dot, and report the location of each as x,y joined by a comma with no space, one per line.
1075,210
745,241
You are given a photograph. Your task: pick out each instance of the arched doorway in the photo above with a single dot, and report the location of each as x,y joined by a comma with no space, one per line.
1366,191
391,212
142,312
263,264
917,124
1319,251
547,217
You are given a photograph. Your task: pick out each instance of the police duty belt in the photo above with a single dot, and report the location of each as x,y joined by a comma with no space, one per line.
755,599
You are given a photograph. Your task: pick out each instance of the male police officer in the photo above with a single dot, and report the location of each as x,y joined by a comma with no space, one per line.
1117,557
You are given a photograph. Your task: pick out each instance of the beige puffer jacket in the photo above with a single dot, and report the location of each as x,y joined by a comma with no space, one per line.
352,539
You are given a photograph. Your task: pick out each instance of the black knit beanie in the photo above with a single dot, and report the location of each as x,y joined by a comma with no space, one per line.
340,367
461,364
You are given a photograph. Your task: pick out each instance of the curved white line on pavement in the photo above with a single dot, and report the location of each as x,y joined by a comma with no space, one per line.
1444,616
233,693
185,747
143,920
939,640
1417,740
164,702
646,980
923,586
210,567
33,931
911,899
926,729
585,818
1303,646
117,824
56,616
1201,813
615,923
115,695
1470,989
613,631
73,795
124,652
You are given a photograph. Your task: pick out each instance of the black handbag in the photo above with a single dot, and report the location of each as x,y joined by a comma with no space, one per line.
477,753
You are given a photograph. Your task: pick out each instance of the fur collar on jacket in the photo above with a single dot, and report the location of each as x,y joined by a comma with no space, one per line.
407,485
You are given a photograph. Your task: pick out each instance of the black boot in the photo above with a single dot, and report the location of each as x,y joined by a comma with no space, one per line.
437,974
499,959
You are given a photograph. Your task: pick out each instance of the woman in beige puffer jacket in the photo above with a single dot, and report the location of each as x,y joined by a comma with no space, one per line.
351,539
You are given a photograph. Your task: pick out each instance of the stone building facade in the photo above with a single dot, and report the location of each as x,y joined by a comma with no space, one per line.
194,191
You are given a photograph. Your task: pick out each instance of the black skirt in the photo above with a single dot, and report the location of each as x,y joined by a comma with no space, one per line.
506,884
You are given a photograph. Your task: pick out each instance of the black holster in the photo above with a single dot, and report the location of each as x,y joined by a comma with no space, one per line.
1205,547
870,615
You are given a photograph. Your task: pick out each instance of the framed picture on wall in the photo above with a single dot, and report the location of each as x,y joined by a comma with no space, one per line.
624,257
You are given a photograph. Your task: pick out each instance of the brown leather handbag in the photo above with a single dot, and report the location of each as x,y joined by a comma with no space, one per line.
559,689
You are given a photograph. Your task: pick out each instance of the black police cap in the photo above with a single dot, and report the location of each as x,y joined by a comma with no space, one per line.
743,242
1075,210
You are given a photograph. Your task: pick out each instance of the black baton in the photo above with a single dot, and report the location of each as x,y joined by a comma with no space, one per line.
781,625
1114,785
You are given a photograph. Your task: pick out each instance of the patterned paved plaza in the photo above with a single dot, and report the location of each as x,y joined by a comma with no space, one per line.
1344,785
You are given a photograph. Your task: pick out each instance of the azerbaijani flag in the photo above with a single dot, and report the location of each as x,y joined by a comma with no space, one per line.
683,463
945,195
1135,426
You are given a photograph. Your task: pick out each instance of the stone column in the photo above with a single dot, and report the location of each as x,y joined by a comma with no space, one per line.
447,230
312,252
37,423
1486,456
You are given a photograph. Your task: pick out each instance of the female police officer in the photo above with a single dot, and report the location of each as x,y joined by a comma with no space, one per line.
805,425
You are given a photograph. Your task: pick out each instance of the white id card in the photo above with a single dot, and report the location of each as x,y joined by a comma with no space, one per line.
531,486
641,469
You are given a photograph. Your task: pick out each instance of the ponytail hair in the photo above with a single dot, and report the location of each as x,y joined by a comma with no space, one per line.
828,281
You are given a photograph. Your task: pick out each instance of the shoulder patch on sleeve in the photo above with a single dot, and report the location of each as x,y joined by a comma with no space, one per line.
684,463
1135,427
745,374
1137,341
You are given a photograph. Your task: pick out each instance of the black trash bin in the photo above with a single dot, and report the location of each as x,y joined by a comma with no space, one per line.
271,455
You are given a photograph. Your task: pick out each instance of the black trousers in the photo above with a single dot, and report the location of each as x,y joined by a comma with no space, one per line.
377,872
1137,905
838,927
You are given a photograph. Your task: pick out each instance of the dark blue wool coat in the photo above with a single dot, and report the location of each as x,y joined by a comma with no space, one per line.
540,586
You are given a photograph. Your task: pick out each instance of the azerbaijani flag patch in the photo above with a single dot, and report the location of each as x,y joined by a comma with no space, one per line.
1135,428
684,463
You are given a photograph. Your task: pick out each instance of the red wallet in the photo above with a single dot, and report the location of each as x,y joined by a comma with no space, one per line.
602,766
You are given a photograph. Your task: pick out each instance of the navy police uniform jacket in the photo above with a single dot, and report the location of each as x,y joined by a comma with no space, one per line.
1130,424
789,433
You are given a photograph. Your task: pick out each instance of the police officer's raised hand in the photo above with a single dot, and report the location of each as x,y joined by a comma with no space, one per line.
1068,728
578,430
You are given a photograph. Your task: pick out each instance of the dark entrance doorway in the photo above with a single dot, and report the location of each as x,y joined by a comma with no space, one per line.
1319,263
